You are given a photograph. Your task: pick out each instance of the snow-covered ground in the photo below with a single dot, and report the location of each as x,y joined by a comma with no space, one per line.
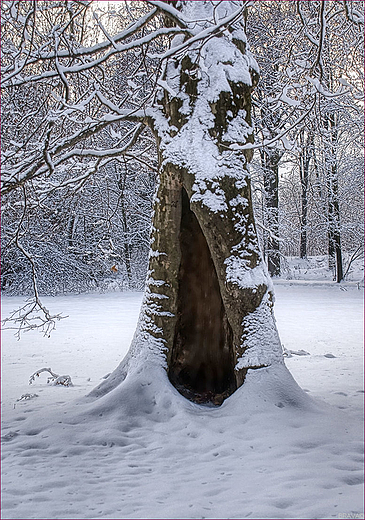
256,456
315,268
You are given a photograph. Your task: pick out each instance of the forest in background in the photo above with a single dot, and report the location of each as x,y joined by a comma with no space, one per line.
84,222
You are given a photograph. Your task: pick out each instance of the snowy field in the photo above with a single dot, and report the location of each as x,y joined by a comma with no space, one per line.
256,456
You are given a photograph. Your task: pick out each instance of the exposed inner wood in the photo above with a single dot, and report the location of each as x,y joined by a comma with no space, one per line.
202,361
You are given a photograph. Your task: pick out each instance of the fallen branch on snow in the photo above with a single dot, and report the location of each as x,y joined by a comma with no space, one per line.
26,397
55,379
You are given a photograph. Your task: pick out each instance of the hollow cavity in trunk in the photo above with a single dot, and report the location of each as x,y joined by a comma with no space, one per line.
202,360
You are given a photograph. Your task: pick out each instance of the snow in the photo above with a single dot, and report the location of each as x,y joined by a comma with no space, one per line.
238,272
265,453
260,332
238,130
315,269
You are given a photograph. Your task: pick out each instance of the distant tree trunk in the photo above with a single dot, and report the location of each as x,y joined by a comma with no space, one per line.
207,315
270,162
305,155
71,225
334,233
126,245
123,215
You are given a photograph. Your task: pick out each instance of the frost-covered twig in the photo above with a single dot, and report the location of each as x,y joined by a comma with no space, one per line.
250,146
358,253
55,379
32,316
270,233
352,14
27,397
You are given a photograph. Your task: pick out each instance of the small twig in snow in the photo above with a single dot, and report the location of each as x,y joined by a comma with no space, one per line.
55,379
26,397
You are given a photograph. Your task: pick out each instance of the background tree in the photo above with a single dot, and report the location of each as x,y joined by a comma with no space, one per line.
319,40
335,43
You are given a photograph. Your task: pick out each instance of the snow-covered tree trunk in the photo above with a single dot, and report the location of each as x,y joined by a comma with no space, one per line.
207,313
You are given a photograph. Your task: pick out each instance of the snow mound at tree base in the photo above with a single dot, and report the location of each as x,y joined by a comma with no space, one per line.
145,394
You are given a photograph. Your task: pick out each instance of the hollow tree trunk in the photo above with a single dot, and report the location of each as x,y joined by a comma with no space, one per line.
207,315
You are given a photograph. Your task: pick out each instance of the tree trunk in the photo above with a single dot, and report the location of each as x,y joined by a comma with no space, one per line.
270,161
334,233
71,225
335,225
123,215
305,156
207,319
126,246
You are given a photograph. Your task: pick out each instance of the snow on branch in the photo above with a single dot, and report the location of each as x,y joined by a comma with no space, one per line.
305,23
34,166
171,12
352,14
326,93
61,71
40,55
250,146
204,34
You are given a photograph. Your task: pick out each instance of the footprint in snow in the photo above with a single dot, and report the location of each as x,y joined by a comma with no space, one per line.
299,352
290,353
9,436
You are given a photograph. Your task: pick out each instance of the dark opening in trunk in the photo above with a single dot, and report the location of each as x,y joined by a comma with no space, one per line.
202,361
